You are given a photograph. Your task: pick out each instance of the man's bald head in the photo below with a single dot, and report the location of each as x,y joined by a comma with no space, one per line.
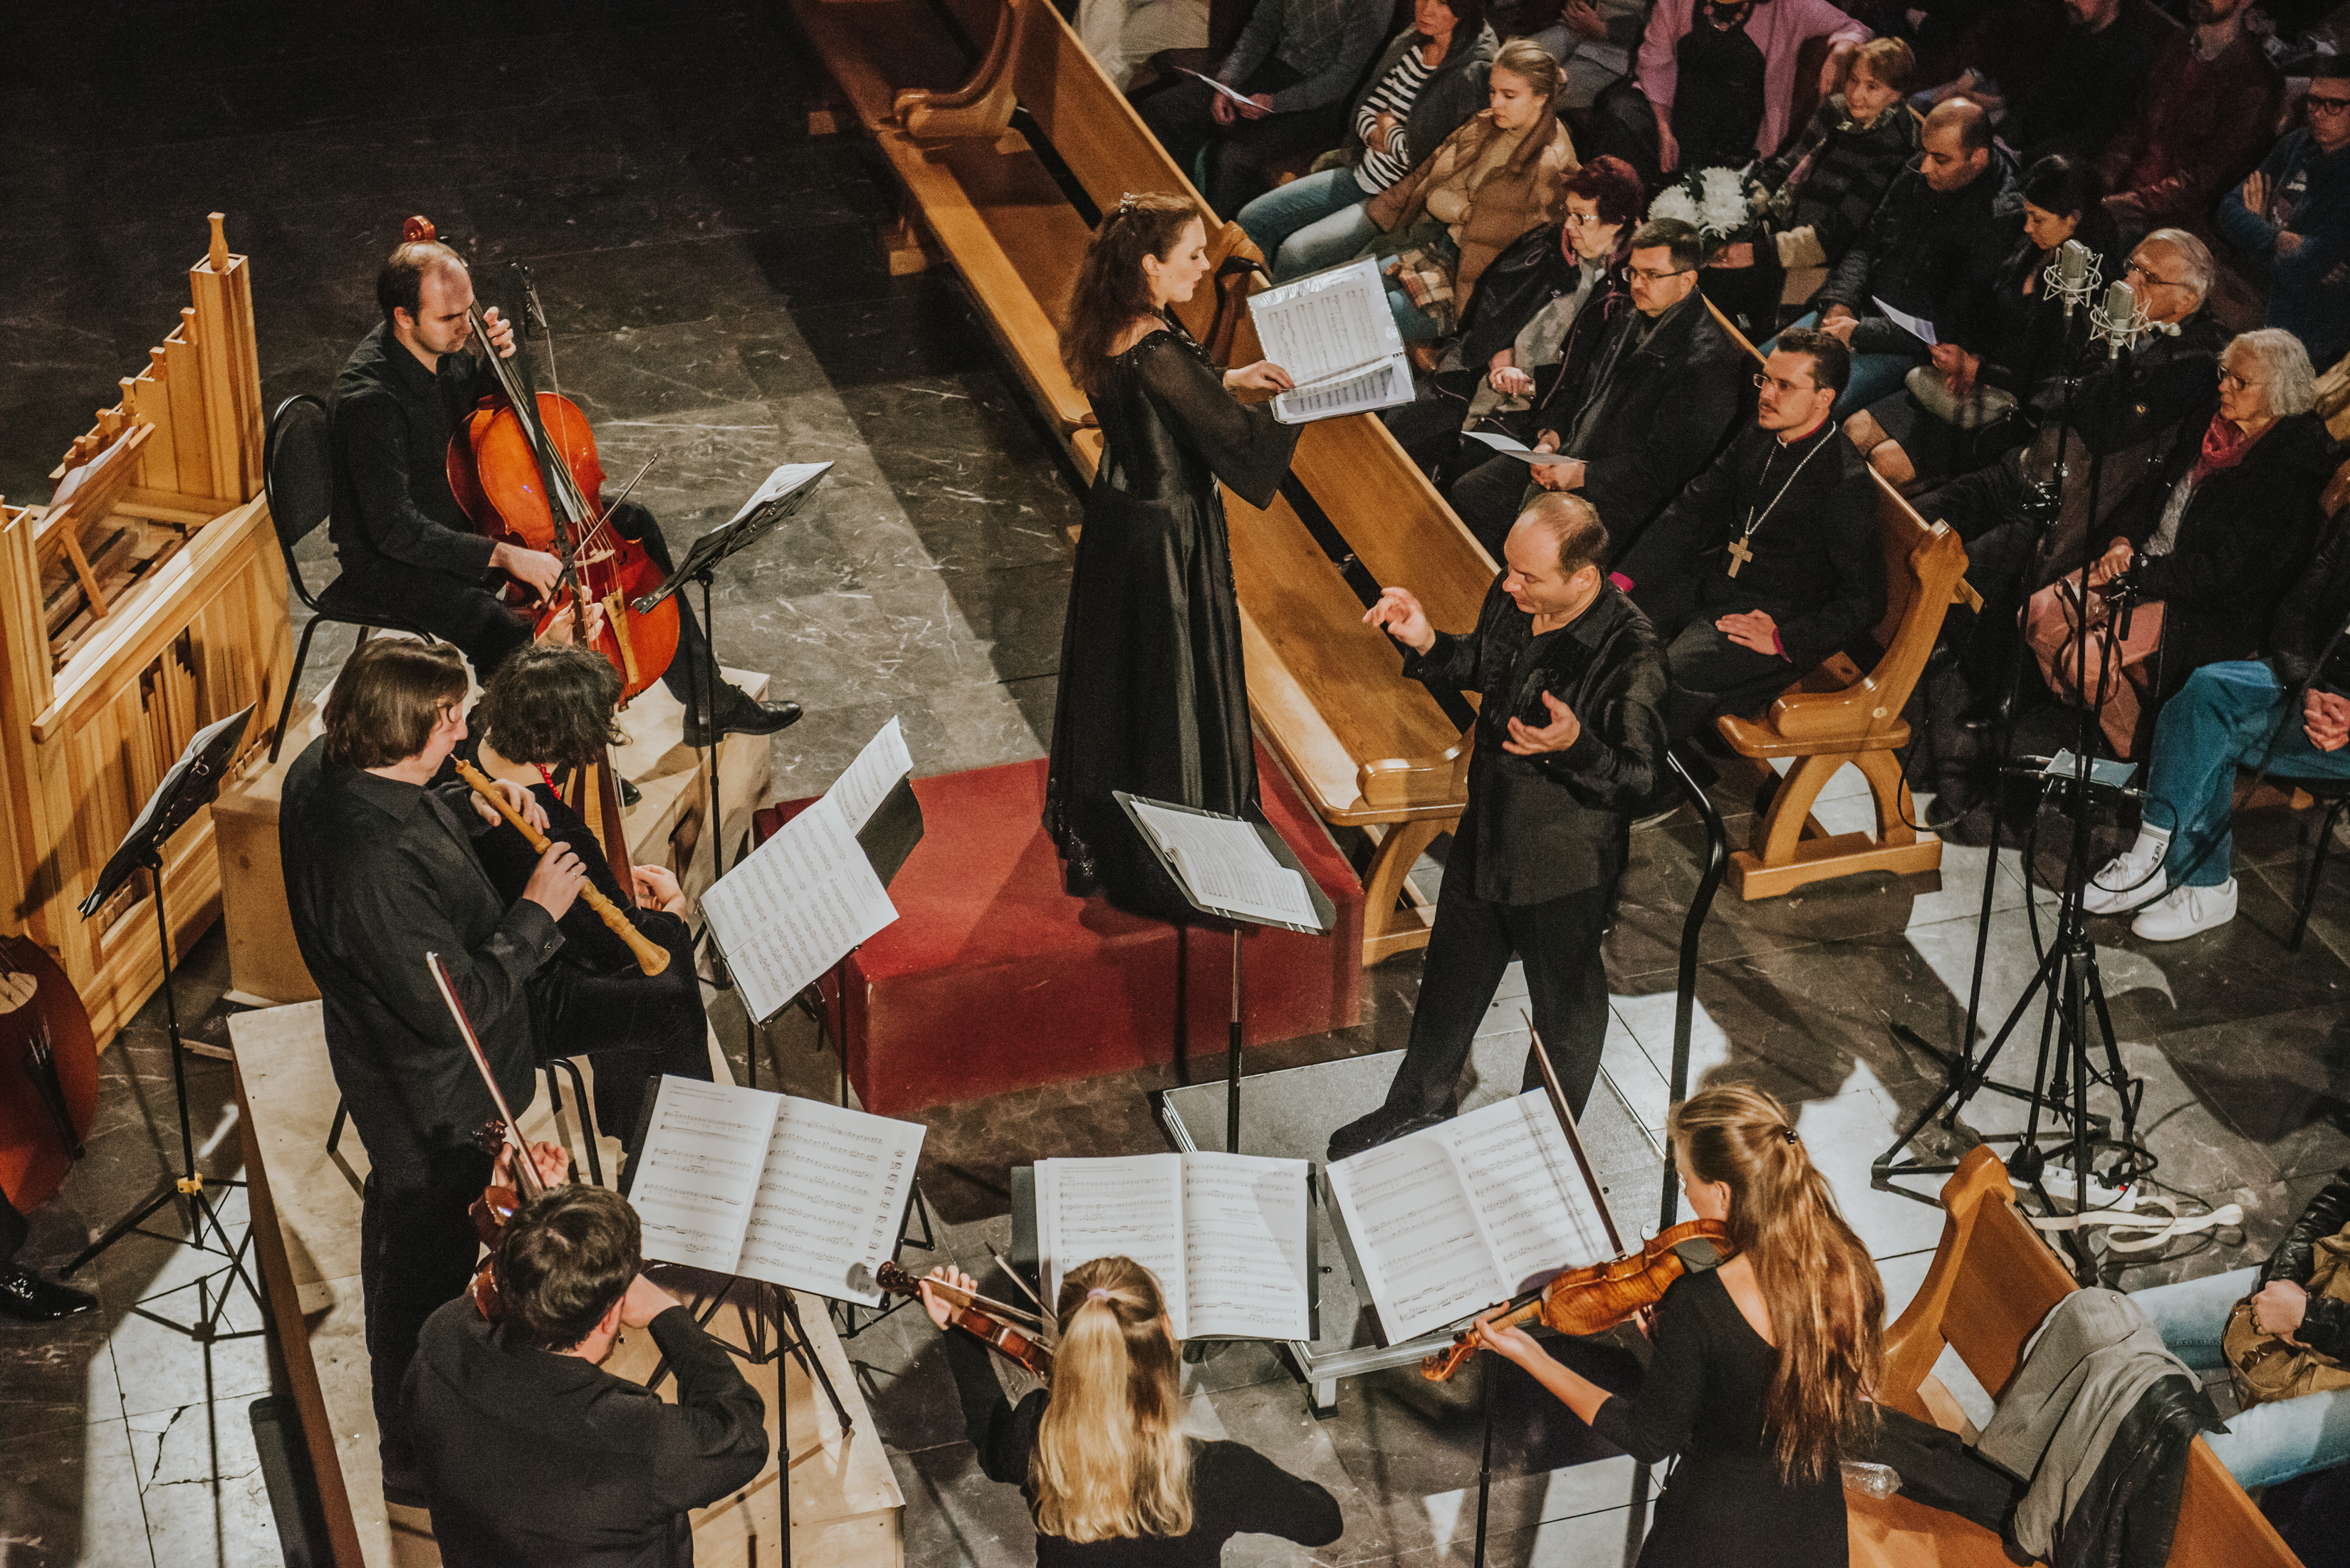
1957,144
1573,526
2172,270
400,283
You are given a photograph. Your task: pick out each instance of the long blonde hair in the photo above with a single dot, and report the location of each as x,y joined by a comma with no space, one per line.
1111,1461
1826,1300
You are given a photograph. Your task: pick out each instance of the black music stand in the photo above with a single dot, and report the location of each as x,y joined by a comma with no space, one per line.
190,785
1278,847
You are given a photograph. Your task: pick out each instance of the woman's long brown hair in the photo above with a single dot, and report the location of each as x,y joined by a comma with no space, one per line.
1111,1461
1826,1300
1111,293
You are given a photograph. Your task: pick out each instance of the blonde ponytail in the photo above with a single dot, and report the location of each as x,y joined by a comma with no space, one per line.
1111,1461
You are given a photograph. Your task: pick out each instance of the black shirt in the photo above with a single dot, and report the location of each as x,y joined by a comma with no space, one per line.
391,420
1542,827
535,1458
378,874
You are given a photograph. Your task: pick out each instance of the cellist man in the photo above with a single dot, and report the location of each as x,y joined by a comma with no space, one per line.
405,545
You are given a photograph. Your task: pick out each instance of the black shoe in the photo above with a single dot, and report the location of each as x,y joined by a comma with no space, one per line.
1382,1126
37,1301
739,715
1979,714
629,795
405,1488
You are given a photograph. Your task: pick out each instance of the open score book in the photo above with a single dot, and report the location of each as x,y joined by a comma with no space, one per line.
1335,336
1465,1215
771,1187
1225,1233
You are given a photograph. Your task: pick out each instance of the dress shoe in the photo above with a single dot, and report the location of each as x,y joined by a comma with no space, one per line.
1979,714
2129,880
1382,1126
37,1301
739,715
2183,912
629,796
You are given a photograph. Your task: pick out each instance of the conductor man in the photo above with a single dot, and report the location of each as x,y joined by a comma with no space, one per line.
1569,742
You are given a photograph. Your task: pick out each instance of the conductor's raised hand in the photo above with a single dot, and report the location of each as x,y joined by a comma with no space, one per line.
954,1278
501,332
550,1161
645,1302
517,795
1562,731
555,880
1265,376
1398,613
657,889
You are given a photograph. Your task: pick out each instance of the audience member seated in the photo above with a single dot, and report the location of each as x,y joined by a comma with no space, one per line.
2209,102
1557,286
2058,77
1424,87
1817,194
1644,406
1770,561
1963,410
2291,217
1437,229
1931,250
1296,62
1120,35
2211,540
1721,77
2275,1442
2251,504
1593,39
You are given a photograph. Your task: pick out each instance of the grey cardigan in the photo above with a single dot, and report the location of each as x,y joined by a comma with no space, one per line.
1447,98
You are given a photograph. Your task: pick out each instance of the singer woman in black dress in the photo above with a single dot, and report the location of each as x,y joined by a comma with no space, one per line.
1763,1366
1152,699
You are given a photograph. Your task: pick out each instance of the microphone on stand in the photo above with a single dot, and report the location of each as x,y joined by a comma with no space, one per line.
2073,277
2117,323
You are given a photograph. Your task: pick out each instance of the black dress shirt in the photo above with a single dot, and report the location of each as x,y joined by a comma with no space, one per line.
1542,827
533,1457
378,874
391,420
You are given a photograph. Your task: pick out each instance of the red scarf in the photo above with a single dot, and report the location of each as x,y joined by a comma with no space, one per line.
2224,446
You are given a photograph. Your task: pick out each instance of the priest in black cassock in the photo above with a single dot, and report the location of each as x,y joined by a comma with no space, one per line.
1771,560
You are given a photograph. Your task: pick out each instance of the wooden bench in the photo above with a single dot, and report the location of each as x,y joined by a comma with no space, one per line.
1840,713
1369,750
1992,1281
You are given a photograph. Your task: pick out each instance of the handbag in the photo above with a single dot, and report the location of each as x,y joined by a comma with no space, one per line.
1982,407
2266,1367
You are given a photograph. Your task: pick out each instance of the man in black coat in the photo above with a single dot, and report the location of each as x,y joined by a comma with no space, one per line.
1640,407
532,1454
1569,742
1771,560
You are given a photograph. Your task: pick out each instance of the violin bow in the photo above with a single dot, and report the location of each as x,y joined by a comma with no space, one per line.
525,1173
1574,1135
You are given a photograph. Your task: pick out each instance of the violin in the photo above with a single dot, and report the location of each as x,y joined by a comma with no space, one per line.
1588,1299
991,1322
495,1206
525,469
48,1073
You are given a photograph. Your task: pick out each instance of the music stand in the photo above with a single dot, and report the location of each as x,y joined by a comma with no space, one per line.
190,785
1278,847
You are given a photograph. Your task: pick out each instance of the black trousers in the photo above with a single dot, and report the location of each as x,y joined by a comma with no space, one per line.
1240,166
634,1025
14,1228
1469,947
1712,676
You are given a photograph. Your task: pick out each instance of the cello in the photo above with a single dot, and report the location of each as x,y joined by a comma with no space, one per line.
48,1073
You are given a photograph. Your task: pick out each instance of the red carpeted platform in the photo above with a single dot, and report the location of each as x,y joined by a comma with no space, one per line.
993,979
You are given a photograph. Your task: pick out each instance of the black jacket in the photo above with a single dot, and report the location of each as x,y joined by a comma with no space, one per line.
2024,346
1933,254
389,421
1663,410
2326,1326
1543,827
2165,388
1446,101
532,1458
1532,272
1850,171
2311,614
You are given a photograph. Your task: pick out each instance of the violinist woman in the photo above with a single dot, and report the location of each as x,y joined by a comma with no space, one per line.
1152,699
1763,1366
1101,1456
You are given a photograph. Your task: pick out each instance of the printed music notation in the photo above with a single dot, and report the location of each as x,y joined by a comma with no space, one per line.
1451,1220
1225,1233
770,1186
1335,336
794,905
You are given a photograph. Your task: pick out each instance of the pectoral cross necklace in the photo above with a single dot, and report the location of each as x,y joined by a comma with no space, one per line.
1739,550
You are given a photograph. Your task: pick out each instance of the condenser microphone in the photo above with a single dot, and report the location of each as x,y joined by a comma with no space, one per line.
2117,323
2075,278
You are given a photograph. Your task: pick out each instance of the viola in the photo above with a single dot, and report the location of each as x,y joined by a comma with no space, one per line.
525,469
497,1205
48,1073
1598,1295
990,1322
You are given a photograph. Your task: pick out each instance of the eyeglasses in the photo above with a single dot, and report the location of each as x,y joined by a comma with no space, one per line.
1580,220
2327,105
2138,269
1763,380
1641,272
2232,383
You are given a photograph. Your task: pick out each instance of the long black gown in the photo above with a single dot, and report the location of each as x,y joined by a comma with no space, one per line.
1152,696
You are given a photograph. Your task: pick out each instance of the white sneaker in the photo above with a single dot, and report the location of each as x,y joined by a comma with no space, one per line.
2187,911
2130,879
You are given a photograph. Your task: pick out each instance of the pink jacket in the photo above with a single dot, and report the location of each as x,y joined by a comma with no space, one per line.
1778,28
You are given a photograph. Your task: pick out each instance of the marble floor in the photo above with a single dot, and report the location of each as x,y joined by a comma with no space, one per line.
709,276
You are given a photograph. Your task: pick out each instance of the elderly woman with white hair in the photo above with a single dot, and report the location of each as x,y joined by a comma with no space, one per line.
2219,552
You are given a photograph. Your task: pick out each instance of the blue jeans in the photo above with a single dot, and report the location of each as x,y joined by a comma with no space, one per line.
2220,718
1874,376
2268,1443
1309,224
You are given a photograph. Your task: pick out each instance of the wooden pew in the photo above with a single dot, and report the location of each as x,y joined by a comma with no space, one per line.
1992,1281
1841,713
1370,750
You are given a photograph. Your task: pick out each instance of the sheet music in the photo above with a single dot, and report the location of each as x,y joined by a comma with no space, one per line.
1233,93
780,483
1918,327
1424,1261
831,1194
1133,1207
865,783
1229,867
1335,334
694,1182
1244,1253
791,909
1525,1189
1381,387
